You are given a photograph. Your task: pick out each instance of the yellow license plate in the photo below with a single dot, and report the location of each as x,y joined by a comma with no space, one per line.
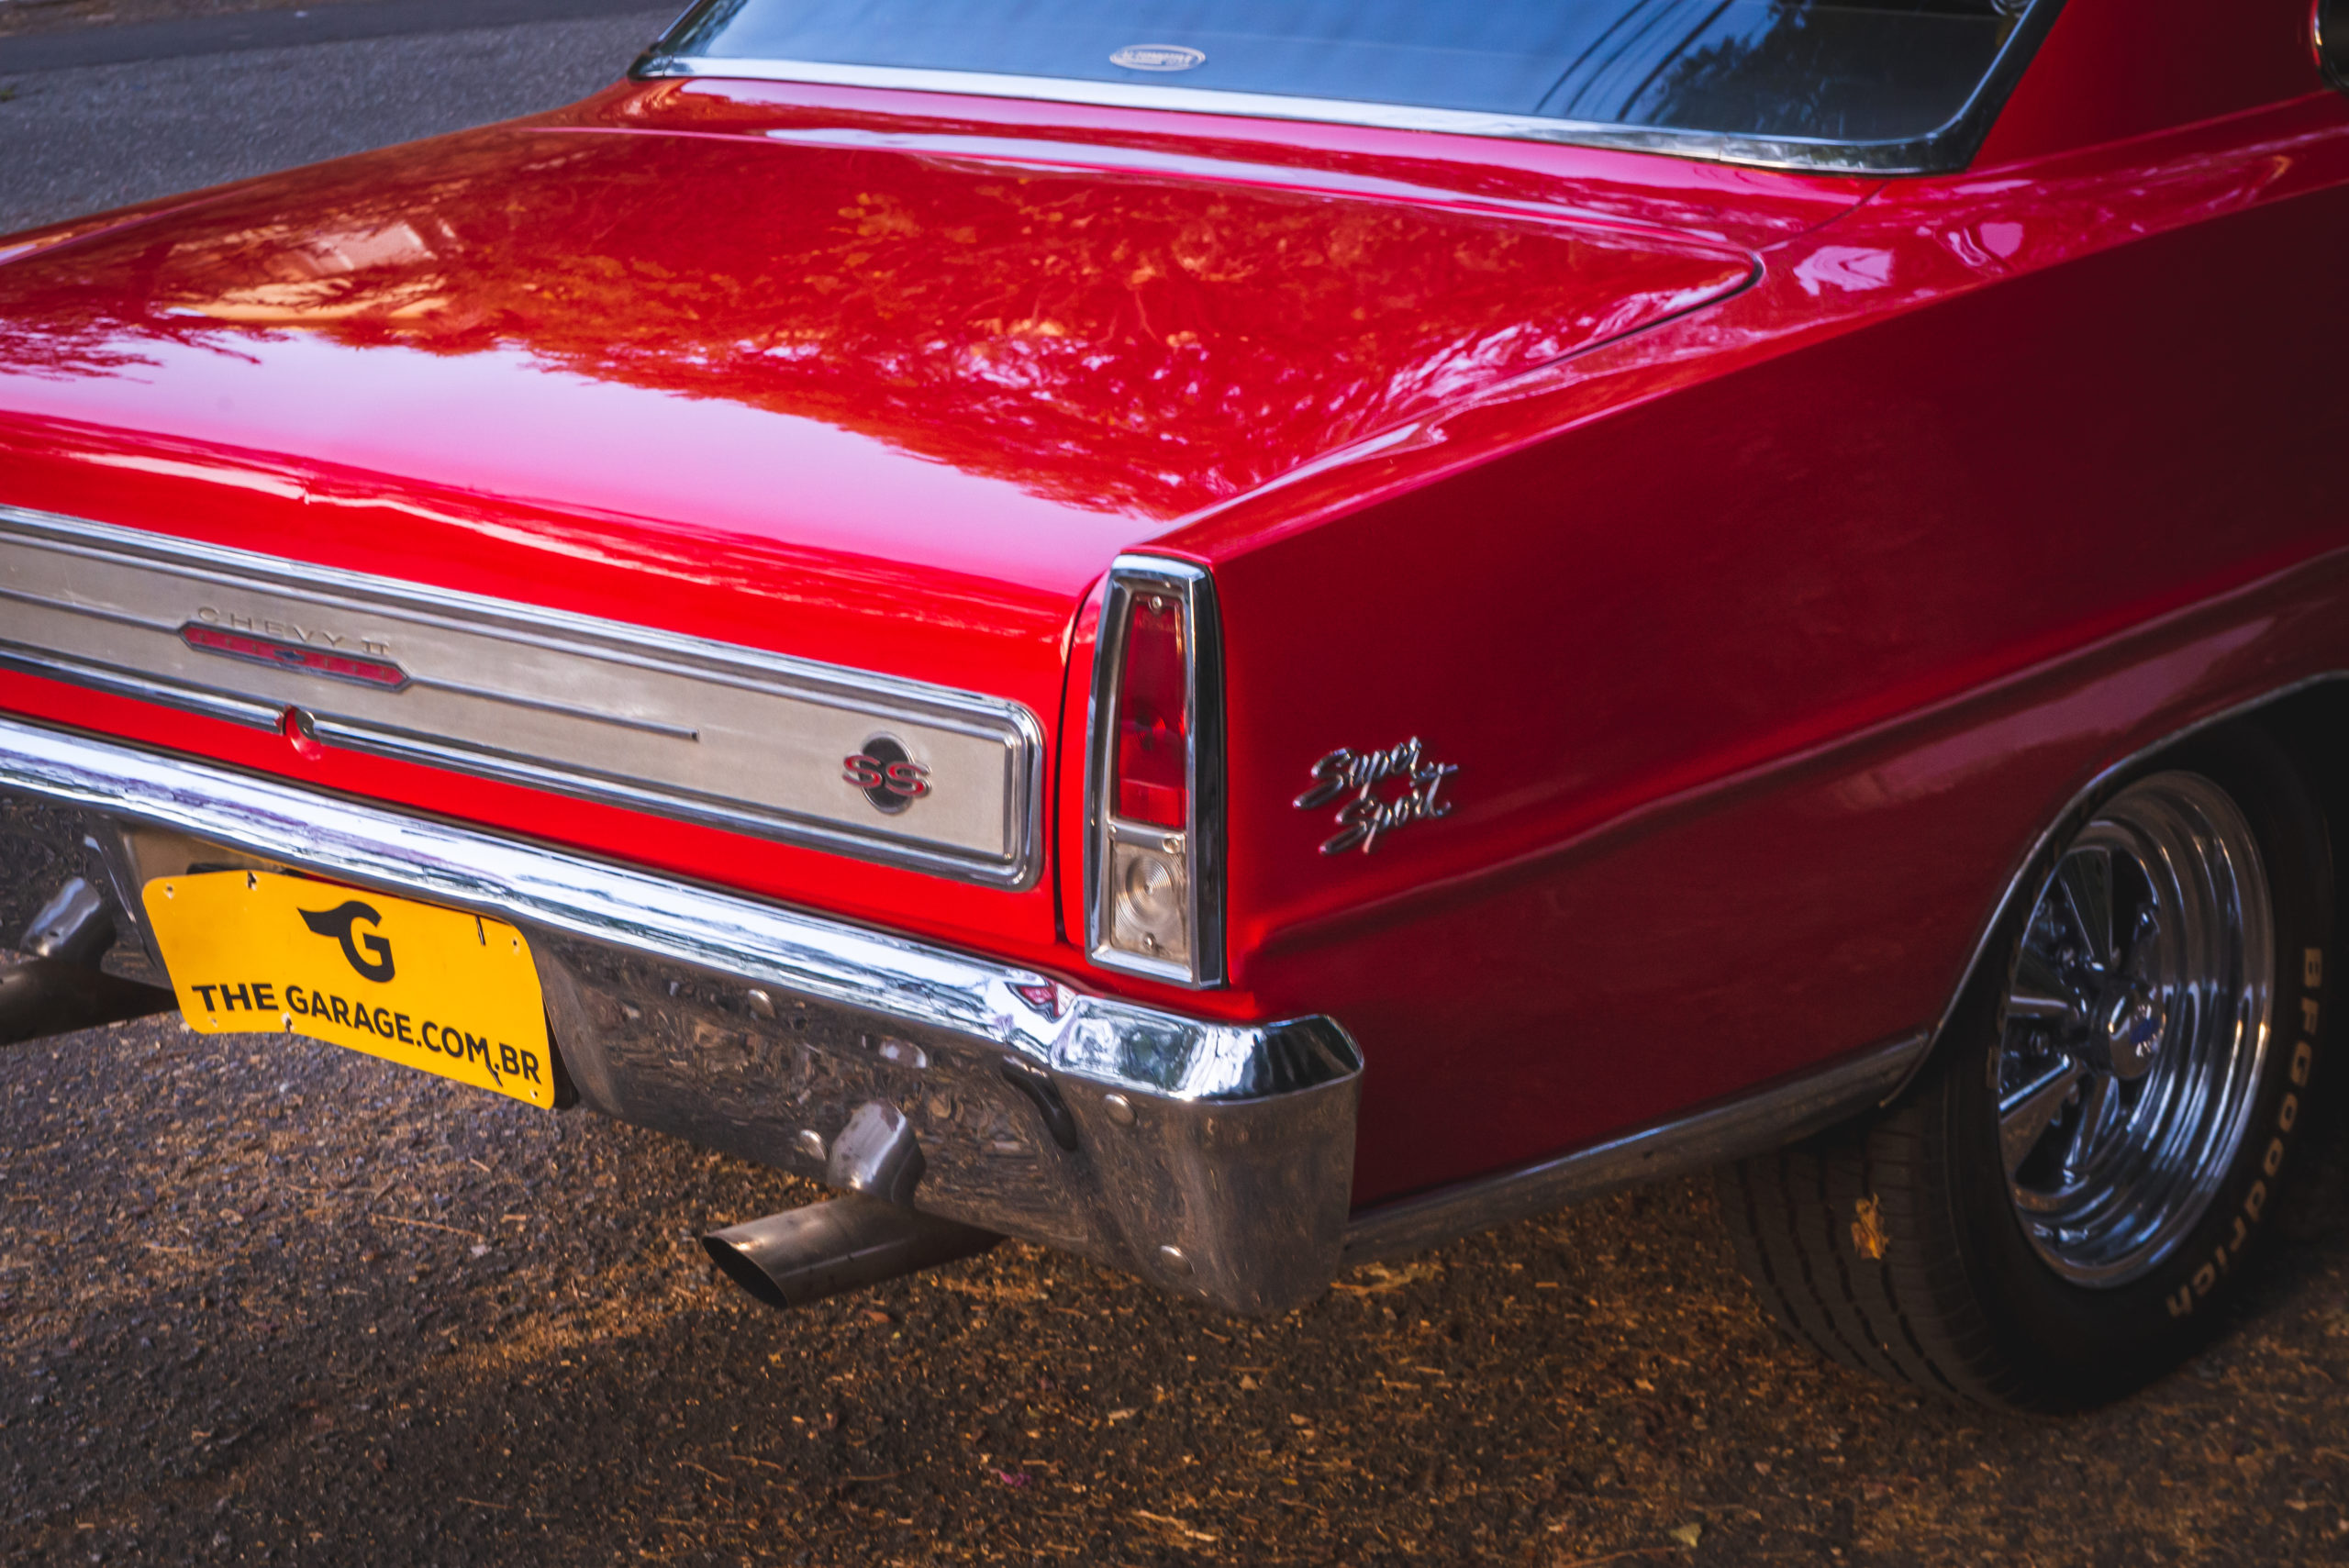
429,987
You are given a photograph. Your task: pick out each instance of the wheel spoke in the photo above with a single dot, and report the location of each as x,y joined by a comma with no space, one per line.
2025,1115
2099,1098
2039,991
2022,1003
2085,877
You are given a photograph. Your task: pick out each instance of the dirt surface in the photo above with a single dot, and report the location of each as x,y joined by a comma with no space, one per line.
266,1301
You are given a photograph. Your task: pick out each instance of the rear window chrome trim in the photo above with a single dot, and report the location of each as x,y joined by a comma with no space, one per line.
1945,150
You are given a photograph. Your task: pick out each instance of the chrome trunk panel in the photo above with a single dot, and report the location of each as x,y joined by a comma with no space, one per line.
704,731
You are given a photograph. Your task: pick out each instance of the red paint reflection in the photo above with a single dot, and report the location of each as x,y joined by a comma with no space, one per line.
1135,343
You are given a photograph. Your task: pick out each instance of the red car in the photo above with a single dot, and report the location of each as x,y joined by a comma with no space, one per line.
1244,640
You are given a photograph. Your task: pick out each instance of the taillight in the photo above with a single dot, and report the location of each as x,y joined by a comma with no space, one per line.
1155,787
1154,761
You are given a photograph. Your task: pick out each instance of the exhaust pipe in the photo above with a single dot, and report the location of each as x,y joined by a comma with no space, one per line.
60,988
806,1254
870,1235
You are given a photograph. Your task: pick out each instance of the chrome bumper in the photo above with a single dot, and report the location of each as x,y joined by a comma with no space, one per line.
1211,1159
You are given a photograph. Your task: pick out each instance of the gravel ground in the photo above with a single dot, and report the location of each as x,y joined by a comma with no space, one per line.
265,1301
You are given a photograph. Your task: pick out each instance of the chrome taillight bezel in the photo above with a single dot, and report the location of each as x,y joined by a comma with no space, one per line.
1200,847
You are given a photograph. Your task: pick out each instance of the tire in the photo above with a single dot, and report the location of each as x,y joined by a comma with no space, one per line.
1906,1244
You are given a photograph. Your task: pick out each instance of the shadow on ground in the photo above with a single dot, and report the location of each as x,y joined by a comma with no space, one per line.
264,1301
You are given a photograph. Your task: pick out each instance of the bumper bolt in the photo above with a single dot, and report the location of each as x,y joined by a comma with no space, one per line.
1119,1108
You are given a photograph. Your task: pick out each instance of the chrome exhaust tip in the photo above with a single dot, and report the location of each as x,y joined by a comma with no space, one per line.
806,1254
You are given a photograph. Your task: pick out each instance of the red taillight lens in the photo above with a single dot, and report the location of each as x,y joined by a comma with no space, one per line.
1152,783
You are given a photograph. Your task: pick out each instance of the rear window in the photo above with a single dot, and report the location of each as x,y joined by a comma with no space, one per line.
1835,73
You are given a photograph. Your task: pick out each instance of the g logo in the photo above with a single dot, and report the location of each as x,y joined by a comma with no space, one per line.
337,923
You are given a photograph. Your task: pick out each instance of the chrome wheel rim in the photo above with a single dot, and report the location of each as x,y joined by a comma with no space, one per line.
2135,1023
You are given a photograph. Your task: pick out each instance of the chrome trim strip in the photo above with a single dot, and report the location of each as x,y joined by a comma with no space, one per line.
1202,839
1750,1124
1944,150
146,689
682,727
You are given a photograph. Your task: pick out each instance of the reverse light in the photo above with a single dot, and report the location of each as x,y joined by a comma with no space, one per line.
1154,781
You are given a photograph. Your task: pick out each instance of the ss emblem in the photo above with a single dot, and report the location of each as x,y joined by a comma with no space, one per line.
890,779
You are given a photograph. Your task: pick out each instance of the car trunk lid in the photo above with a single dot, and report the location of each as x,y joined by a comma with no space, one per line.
889,406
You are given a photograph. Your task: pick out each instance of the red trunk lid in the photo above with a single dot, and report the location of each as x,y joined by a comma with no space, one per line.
888,402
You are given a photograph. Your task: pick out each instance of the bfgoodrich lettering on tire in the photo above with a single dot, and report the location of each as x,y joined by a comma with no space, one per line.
2053,1213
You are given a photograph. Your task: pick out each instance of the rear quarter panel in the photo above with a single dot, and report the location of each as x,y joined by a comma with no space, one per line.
1767,642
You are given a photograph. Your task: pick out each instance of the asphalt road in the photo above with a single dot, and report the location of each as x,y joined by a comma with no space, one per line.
264,1301
75,140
